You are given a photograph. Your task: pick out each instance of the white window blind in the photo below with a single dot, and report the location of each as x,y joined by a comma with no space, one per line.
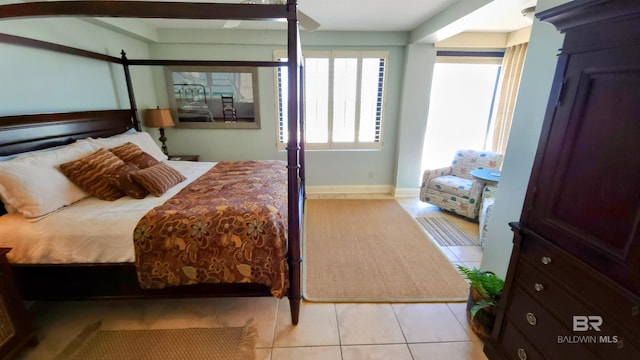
344,99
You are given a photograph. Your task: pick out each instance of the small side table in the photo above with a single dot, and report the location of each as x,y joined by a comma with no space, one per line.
490,178
487,175
184,157
16,325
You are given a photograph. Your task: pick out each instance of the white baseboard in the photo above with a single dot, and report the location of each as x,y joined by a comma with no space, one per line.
406,192
349,189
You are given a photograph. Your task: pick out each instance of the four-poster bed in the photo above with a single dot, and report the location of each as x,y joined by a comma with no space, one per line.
26,133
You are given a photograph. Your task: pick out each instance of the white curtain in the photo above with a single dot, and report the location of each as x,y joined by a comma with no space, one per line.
509,83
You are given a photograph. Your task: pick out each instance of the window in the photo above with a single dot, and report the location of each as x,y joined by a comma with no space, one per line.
343,99
460,106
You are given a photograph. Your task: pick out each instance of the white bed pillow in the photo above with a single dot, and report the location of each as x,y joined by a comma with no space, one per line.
13,156
10,209
33,183
142,139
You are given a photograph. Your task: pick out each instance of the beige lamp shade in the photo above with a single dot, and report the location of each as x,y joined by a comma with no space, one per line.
158,118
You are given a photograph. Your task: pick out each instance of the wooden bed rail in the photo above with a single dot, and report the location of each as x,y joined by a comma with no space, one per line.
44,45
149,10
38,44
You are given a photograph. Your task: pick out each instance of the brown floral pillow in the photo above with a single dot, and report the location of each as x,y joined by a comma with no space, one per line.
143,160
88,174
132,153
159,178
121,177
126,151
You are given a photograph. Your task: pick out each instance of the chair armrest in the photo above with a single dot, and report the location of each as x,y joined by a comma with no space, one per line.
489,191
477,187
432,173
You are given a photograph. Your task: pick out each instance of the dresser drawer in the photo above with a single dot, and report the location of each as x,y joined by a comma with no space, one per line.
551,294
583,283
555,300
543,330
515,346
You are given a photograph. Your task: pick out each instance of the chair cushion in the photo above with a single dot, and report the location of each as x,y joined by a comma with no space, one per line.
453,185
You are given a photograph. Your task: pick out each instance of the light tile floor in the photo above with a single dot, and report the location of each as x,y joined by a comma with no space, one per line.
326,331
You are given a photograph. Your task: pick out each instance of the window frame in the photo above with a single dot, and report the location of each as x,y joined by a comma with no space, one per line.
477,57
331,55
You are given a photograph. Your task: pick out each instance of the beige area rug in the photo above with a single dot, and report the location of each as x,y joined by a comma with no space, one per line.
373,251
446,233
234,343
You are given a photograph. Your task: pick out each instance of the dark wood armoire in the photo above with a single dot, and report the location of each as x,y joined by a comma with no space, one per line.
573,284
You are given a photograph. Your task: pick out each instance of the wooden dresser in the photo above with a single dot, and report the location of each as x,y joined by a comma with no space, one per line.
573,284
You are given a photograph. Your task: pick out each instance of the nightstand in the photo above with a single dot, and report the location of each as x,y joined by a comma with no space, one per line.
16,325
184,157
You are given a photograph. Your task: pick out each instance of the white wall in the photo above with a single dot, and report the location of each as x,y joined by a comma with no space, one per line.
336,169
537,76
418,74
39,81
222,144
42,81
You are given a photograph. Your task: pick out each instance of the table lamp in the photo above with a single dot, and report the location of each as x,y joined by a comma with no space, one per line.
159,118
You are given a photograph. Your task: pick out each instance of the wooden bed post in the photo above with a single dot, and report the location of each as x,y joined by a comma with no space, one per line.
132,98
293,164
301,122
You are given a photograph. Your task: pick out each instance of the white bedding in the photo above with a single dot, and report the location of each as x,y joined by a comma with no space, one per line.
56,240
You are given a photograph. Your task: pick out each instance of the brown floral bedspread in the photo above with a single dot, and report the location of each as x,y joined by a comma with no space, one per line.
228,226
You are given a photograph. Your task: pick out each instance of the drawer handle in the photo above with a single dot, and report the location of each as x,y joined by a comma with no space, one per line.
539,287
546,260
531,319
522,355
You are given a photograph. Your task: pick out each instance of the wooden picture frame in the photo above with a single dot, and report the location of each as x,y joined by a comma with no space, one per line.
213,97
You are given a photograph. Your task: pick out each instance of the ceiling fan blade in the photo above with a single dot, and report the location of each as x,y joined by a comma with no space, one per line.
306,22
231,24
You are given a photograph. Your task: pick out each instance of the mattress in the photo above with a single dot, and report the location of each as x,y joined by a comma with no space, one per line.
88,231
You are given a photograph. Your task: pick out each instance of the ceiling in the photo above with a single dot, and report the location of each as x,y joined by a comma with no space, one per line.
386,15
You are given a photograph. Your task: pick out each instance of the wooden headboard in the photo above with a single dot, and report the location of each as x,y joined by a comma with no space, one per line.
34,132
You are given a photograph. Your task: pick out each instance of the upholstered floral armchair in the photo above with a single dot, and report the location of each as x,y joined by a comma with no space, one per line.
453,188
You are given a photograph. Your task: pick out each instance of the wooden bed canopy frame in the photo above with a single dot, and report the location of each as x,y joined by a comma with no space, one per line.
38,131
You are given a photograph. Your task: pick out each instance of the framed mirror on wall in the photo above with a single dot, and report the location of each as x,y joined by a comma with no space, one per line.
213,97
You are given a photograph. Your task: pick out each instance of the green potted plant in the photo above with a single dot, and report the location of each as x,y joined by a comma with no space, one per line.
485,289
